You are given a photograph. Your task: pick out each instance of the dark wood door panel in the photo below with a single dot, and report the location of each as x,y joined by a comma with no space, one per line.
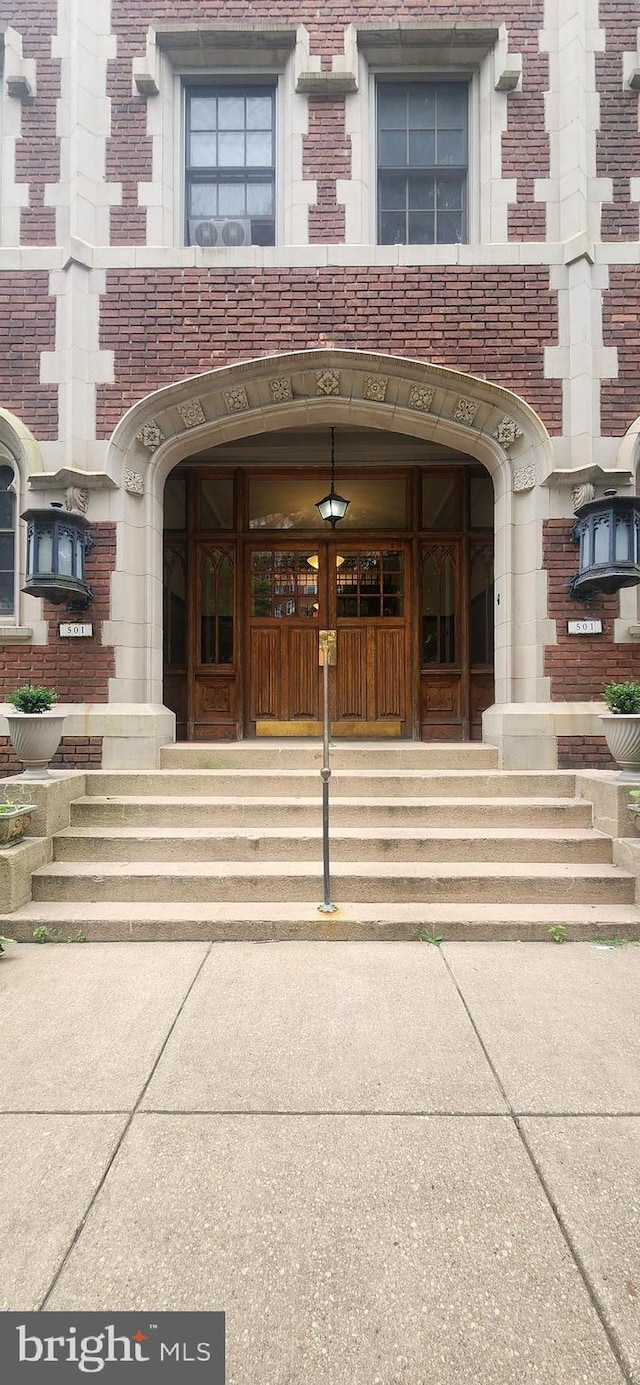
265,675
390,682
301,674
351,675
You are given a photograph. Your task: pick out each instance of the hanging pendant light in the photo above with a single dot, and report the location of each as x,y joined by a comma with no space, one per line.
333,507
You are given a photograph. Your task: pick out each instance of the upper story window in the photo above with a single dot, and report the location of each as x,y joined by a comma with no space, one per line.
230,165
422,162
7,541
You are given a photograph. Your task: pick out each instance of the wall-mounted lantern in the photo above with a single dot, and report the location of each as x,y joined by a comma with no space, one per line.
57,543
608,534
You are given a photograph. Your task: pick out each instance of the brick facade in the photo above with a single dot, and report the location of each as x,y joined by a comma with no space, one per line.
38,150
166,324
621,397
579,666
27,328
129,149
78,670
618,138
584,752
74,752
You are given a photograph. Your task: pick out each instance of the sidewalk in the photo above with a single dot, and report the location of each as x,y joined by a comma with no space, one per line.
390,1163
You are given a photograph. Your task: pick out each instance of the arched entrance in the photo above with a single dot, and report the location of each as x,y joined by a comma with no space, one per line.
317,389
251,574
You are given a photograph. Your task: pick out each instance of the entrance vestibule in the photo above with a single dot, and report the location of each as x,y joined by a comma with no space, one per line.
251,574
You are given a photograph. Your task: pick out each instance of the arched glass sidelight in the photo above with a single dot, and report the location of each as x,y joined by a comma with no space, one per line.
216,605
7,542
438,605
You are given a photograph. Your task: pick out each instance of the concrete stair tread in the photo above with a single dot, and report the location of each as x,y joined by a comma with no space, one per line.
384,772
228,922
76,913
470,834
307,801
345,869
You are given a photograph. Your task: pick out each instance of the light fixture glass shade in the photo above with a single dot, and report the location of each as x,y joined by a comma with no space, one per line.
608,534
332,507
57,541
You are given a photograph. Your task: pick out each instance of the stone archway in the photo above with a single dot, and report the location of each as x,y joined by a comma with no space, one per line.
327,386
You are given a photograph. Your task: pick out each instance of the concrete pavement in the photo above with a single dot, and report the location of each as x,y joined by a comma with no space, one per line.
389,1163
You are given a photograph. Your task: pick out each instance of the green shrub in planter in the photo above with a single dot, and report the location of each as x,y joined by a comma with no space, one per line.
623,699
32,698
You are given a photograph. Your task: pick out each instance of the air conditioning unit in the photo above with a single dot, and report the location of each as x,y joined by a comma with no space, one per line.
219,231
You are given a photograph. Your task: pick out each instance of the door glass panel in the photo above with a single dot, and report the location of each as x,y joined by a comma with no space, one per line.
216,607
376,503
175,607
175,502
284,584
441,501
370,584
438,606
481,606
216,503
481,502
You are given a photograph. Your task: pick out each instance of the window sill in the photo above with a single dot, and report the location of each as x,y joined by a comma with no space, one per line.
15,634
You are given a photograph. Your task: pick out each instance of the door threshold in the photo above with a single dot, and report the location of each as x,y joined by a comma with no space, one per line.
363,730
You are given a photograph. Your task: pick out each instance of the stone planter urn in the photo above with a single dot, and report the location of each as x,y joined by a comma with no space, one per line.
622,734
35,737
15,819
621,726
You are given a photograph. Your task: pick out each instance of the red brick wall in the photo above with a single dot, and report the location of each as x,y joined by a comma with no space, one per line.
79,670
74,752
27,327
621,327
327,156
580,665
129,149
619,139
38,150
167,324
584,752
525,143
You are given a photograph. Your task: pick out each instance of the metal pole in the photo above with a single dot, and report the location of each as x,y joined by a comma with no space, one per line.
326,907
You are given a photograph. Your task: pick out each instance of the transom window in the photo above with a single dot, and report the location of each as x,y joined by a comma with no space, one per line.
230,165
422,162
7,542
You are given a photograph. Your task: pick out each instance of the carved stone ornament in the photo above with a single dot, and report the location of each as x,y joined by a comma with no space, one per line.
524,479
281,391
465,410
133,481
375,387
150,435
327,381
236,400
421,397
507,432
581,494
76,498
191,413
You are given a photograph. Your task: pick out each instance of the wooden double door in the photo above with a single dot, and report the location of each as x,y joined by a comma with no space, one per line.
362,590
250,580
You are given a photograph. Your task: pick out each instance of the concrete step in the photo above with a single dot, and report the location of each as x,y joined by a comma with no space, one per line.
353,882
348,755
202,811
526,922
573,845
284,783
